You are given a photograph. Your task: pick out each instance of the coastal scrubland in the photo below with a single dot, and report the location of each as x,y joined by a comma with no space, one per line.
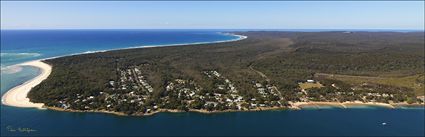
261,72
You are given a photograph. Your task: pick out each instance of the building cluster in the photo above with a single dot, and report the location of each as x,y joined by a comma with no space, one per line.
363,93
267,90
185,89
227,92
132,88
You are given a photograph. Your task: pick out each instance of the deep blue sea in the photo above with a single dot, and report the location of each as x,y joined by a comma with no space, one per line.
18,46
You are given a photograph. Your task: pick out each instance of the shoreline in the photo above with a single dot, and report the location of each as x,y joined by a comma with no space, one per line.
202,111
354,104
18,96
239,37
296,106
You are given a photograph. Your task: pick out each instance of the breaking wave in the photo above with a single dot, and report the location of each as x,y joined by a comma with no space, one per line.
15,56
10,69
8,59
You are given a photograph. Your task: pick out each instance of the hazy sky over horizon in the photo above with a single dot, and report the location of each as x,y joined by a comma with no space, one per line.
212,15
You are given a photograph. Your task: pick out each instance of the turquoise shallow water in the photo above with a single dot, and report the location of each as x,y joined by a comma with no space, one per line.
21,46
11,79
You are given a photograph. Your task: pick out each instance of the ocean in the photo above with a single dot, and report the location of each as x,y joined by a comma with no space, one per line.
19,46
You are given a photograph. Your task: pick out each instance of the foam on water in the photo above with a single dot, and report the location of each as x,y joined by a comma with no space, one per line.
11,58
14,56
10,69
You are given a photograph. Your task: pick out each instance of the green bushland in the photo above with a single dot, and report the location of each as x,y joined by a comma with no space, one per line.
285,58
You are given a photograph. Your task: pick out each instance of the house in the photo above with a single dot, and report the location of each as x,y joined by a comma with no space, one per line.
65,106
216,73
221,87
261,90
136,69
420,97
112,83
209,102
217,94
239,99
150,89
192,94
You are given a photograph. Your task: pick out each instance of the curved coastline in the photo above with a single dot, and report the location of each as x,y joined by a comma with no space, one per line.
239,37
18,95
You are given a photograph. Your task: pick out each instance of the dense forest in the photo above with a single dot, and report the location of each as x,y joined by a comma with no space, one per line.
264,70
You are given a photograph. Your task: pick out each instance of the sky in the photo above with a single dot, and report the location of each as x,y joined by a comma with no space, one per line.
212,15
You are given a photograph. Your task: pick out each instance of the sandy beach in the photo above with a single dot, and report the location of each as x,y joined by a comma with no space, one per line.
373,104
300,105
17,96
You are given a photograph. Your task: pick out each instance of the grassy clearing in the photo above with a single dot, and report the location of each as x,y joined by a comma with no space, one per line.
416,82
306,85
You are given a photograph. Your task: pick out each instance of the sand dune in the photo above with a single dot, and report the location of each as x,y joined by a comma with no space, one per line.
17,96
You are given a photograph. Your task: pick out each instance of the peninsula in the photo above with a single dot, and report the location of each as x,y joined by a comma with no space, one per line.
267,70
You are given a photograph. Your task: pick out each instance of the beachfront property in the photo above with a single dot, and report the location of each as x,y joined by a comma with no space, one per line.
133,87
